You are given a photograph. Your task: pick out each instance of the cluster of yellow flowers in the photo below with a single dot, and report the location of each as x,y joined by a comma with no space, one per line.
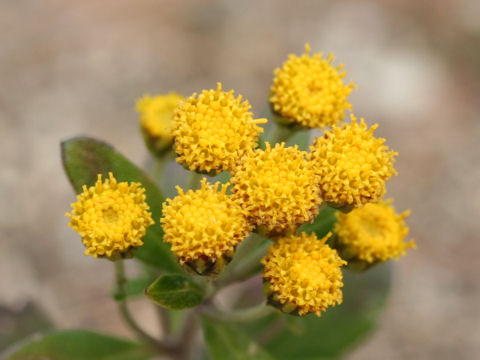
274,190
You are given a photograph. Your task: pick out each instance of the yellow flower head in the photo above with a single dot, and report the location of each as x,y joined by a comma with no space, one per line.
309,91
204,227
214,130
277,187
156,119
373,233
111,217
303,275
352,164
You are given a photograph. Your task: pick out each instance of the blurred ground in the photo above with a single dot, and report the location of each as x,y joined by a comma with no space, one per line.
70,68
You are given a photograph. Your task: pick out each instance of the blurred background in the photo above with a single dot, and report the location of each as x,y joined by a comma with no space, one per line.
70,68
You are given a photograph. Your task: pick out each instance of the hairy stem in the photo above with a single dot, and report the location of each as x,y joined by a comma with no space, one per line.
121,282
164,320
187,335
158,166
245,264
240,315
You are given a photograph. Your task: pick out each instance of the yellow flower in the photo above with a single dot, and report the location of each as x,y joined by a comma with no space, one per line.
308,90
352,164
112,217
303,275
214,130
373,233
277,187
204,227
156,119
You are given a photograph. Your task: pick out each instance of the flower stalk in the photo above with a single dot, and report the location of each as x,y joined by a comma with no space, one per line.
121,283
241,315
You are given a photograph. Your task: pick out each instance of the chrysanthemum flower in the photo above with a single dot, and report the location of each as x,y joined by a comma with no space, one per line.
204,227
373,233
214,130
112,217
277,187
352,164
156,119
303,275
309,90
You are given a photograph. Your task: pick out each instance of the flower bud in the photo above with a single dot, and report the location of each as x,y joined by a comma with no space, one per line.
156,120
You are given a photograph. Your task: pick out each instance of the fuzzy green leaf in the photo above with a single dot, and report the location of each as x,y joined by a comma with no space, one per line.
224,341
175,292
77,345
84,158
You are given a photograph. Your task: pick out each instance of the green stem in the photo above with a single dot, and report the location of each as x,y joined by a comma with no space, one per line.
241,315
158,167
194,180
244,266
187,335
273,329
164,320
121,282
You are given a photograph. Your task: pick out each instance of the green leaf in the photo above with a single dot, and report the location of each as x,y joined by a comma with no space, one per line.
224,341
84,158
78,345
322,224
338,329
175,292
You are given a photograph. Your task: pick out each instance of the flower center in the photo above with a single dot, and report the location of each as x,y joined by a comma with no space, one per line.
308,274
110,216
